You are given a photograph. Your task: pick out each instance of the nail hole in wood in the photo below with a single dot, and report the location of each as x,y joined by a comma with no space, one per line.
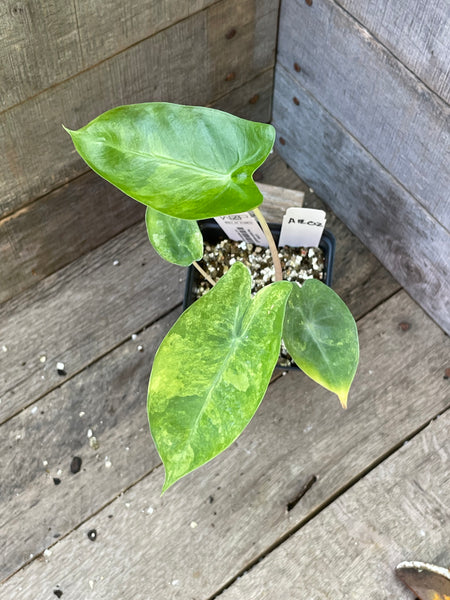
230,34
306,487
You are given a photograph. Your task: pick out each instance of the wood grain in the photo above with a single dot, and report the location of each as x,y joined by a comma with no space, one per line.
45,320
396,118
416,32
215,521
358,276
399,511
49,233
412,245
45,42
80,313
109,399
192,62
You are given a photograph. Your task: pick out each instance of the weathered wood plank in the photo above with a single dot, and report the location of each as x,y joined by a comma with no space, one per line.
236,505
51,232
109,399
384,106
192,62
412,245
47,41
357,275
418,33
42,321
80,313
400,511
48,234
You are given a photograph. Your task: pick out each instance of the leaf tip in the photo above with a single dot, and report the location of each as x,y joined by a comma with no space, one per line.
69,131
343,396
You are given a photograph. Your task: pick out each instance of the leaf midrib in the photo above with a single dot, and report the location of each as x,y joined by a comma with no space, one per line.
236,342
180,163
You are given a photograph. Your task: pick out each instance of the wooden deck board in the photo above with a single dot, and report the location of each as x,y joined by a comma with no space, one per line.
400,511
292,437
109,400
80,313
218,520
89,307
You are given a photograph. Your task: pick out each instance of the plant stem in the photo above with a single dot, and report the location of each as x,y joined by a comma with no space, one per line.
272,245
204,273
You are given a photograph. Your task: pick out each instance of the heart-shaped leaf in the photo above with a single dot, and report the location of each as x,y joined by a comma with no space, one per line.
321,336
190,162
176,240
212,370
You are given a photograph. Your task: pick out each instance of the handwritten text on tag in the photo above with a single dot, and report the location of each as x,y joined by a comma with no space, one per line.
302,227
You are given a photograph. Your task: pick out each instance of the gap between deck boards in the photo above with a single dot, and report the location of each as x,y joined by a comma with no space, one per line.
291,530
350,484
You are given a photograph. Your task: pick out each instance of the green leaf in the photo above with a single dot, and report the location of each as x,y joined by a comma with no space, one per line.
185,161
321,336
176,240
212,370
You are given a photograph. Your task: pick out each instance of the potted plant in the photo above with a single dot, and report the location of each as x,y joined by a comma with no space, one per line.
212,369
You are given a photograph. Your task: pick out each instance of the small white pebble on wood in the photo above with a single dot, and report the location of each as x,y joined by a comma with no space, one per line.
60,366
116,262
42,358
34,410
194,524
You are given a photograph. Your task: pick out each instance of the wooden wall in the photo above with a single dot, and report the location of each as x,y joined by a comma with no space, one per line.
68,62
361,105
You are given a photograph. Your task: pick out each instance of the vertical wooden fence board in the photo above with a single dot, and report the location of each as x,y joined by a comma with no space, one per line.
44,42
416,31
403,124
188,63
357,273
412,245
49,233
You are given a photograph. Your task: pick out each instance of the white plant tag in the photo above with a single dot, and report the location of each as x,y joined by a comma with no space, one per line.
302,227
242,227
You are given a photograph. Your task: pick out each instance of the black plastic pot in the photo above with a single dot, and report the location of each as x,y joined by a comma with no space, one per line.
213,233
